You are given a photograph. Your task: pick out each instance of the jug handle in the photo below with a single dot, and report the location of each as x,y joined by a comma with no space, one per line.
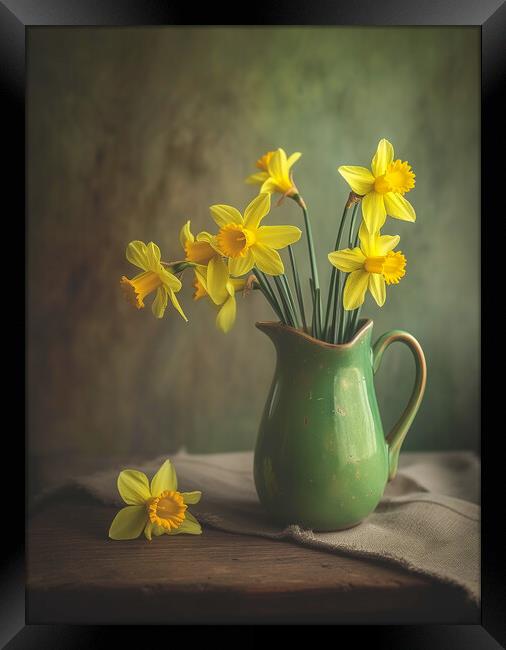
396,436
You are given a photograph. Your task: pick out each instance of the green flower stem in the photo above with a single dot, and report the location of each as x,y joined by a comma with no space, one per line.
313,316
353,323
289,294
326,324
339,312
348,316
312,259
342,320
351,238
284,300
332,286
298,289
269,295
269,288
318,314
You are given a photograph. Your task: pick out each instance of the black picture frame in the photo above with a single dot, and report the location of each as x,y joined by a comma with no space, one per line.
16,16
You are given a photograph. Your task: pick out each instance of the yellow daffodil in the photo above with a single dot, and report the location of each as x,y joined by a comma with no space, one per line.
155,508
383,187
214,281
154,277
276,173
197,249
248,244
212,277
370,266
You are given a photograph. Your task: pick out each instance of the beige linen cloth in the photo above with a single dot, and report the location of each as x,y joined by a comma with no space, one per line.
428,520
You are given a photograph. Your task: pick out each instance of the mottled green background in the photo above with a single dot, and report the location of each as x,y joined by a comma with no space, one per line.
133,131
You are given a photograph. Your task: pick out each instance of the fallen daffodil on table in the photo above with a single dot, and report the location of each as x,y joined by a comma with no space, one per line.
155,507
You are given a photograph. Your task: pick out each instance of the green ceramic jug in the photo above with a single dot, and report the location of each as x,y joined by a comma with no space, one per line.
321,459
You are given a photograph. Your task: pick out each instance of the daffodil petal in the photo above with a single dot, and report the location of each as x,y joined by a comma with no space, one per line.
164,479
387,243
373,209
258,178
176,304
201,272
205,236
382,158
293,159
209,239
278,236
133,487
191,497
169,279
136,254
368,241
226,315
128,523
355,288
269,186
160,302
190,526
241,265
148,529
257,210
191,518
399,207
224,214
217,278
238,284
278,164
359,179
348,259
185,234
374,244
377,288
153,255
267,259
158,530
153,529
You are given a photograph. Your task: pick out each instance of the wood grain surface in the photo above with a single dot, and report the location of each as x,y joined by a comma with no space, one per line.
75,574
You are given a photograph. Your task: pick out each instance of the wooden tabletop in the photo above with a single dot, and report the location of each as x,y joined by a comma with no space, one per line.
76,575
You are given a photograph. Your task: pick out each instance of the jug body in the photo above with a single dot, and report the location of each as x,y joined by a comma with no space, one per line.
321,458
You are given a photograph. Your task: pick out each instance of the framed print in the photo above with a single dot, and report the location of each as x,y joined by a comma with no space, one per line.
227,228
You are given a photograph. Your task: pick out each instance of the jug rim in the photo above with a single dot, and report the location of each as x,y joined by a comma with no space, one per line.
366,324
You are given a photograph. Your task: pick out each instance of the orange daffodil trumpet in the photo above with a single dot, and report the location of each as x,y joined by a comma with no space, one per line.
155,277
197,249
155,508
382,187
246,243
372,265
275,174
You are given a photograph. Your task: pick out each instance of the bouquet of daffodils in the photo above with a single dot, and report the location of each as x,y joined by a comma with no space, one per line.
243,253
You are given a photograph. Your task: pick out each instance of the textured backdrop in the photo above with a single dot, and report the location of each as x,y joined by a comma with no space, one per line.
133,131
